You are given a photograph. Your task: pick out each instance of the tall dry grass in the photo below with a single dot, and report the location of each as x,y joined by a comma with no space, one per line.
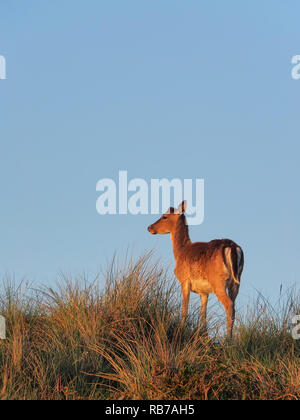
124,341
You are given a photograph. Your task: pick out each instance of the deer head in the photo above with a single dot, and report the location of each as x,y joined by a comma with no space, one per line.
168,221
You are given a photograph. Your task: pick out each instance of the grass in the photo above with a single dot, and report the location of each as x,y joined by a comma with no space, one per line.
124,341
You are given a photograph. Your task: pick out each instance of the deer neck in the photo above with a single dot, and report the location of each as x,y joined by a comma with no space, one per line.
180,237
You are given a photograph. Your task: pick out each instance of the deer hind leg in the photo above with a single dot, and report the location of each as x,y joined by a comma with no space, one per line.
185,289
233,291
230,310
203,313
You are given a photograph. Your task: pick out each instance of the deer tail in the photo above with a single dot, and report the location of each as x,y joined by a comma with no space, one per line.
234,261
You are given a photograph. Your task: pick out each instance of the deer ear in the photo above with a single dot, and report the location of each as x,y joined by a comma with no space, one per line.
171,210
182,207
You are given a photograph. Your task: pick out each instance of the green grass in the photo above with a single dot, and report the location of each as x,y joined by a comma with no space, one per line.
124,341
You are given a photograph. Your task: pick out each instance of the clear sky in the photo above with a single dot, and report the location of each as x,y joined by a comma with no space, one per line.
195,89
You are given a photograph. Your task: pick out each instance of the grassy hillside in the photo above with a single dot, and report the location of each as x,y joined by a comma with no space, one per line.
124,342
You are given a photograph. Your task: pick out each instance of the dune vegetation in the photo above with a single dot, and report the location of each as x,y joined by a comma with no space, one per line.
124,341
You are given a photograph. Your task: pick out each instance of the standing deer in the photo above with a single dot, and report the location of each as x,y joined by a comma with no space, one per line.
203,267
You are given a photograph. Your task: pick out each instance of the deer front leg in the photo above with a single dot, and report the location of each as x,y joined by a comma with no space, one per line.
185,289
203,313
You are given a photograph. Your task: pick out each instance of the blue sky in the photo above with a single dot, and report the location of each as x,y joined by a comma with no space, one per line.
197,89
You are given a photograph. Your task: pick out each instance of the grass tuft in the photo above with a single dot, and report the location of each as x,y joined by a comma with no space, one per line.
124,341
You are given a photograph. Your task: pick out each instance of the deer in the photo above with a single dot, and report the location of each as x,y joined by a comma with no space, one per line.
204,268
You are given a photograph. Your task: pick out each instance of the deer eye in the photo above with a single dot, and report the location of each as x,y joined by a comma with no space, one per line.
164,217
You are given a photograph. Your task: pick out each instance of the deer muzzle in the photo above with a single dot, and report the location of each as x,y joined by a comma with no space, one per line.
152,230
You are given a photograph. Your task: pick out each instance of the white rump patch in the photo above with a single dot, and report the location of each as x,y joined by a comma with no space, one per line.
227,252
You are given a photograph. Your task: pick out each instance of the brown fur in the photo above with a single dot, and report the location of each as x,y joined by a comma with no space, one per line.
203,267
